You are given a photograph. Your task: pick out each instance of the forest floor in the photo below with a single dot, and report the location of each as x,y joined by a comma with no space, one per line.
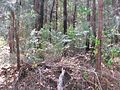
79,74
4,53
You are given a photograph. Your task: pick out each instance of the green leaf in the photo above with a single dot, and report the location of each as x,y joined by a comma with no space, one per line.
110,62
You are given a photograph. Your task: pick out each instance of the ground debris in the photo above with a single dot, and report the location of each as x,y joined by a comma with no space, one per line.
79,75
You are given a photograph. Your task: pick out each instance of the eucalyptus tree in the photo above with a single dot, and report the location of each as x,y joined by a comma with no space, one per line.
99,36
17,21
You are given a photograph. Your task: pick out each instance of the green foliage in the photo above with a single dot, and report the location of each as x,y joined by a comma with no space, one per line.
44,34
97,42
114,52
110,62
76,36
107,2
71,32
85,75
109,53
83,9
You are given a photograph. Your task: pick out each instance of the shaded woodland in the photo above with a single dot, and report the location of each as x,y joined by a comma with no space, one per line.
60,45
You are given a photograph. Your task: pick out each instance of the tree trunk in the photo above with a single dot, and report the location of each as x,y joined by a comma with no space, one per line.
87,35
51,18
114,38
10,39
56,15
11,32
65,22
93,22
88,6
94,18
39,8
75,13
99,36
41,14
46,12
36,7
65,16
17,32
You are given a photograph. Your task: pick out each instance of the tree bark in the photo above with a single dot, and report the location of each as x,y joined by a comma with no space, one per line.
56,15
11,32
87,35
65,16
51,18
17,32
93,22
94,18
46,12
41,14
39,8
75,14
88,6
99,36
114,38
13,29
36,7
65,22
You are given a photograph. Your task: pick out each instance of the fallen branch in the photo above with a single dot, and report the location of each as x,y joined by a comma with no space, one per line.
60,81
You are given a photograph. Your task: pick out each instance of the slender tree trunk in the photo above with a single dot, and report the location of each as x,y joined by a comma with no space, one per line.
115,39
88,6
41,14
17,47
56,15
10,39
65,16
93,22
113,7
99,36
65,22
11,33
94,18
36,7
51,18
75,13
119,15
46,12
13,29
39,8
87,35
17,32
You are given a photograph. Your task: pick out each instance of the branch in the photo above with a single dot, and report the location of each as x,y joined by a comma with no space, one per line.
60,81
